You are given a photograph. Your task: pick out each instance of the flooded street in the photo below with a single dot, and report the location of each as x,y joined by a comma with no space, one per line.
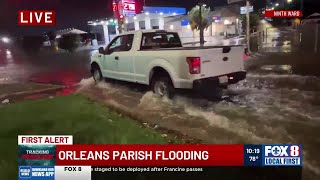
49,71
45,67
273,105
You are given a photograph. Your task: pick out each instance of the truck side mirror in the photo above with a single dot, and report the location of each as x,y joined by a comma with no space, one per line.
101,50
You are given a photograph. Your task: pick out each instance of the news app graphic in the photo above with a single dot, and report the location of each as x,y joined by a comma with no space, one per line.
36,18
282,155
37,172
24,172
37,155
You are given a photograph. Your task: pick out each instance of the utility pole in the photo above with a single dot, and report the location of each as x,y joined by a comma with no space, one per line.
316,39
248,24
200,25
301,6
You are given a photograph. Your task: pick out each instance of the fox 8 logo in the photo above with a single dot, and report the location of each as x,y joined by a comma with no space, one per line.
276,151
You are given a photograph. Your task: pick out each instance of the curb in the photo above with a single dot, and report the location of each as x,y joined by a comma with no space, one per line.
121,109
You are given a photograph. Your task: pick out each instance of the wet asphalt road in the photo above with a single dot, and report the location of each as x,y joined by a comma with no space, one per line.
45,67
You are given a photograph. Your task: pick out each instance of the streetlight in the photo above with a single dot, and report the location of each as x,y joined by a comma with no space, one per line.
5,40
277,4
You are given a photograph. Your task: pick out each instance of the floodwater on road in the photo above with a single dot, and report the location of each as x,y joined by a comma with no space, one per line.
44,67
264,108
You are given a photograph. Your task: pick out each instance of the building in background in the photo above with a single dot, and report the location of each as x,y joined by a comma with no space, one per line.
225,21
150,18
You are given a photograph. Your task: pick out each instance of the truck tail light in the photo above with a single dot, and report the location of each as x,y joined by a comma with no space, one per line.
244,57
194,65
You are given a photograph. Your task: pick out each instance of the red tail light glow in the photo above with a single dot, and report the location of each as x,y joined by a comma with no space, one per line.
244,57
194,65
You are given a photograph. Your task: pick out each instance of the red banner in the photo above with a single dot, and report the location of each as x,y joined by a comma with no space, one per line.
283,14
150,155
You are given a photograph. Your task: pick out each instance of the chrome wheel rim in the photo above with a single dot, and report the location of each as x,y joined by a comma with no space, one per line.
161,88
96,75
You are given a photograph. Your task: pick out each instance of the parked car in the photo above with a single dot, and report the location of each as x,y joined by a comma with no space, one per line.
157,58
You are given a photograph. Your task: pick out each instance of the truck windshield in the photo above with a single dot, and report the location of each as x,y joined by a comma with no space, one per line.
156,40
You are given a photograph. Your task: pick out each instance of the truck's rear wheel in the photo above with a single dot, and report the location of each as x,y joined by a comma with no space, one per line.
214,94
97,75
162,86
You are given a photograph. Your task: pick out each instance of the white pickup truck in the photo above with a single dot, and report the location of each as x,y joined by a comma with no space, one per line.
157,58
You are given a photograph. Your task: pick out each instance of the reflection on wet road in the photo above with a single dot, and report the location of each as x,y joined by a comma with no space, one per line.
12,69
62,69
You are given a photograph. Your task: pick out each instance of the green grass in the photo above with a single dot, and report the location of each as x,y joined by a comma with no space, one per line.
88,122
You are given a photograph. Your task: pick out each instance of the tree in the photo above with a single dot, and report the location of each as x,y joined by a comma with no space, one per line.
254,20
200,20
69,42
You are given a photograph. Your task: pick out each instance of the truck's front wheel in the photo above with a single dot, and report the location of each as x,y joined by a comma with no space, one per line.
162,86
97,75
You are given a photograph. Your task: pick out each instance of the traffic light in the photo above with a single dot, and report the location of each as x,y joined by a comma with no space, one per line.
121,18
121,23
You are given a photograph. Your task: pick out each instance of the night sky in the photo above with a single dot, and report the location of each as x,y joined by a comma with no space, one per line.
75,13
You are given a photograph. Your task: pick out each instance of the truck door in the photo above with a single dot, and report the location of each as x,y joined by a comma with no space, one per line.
124,58
110,63
119,59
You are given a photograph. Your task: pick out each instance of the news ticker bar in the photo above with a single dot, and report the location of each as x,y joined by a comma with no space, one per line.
150,172
161,155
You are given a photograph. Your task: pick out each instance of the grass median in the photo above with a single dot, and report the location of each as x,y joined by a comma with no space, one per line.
89,123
